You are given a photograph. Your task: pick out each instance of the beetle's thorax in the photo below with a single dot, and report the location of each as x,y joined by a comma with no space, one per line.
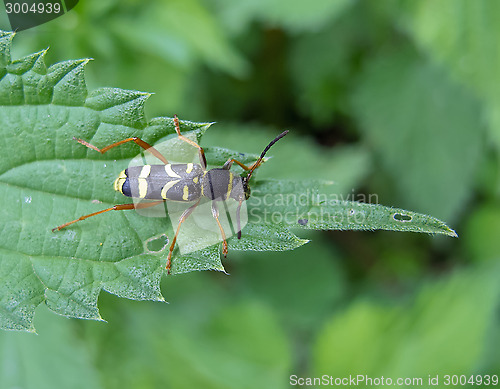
221,184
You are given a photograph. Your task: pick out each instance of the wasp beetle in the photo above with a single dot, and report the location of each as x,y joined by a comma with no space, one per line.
186,182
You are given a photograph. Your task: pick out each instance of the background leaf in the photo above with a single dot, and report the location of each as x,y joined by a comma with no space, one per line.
478,54
300,17
411,144
410,333
36,362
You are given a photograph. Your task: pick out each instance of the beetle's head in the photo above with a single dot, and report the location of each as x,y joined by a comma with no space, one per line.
245,194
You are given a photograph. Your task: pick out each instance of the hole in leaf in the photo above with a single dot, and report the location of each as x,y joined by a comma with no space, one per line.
302,222
401,217
157,243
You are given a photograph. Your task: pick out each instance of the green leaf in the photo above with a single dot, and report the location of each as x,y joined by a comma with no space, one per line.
299,15
46,179
445,328
267,237
180,32
57,358
201,347
481,231
313,205
465,43
426,134
333,51
302,299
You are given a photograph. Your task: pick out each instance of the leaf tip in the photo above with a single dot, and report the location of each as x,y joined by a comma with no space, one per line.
97,317
79,62
143,94
159,298
220,269
10,34
445,230
302,242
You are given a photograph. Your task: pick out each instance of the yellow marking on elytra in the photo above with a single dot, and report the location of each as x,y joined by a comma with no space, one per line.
189,168
185,194
230,186
145,171
166,188
170,172
204,174
118,184
143,187
195,180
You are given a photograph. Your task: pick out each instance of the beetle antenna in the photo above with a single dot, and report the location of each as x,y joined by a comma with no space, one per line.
259,161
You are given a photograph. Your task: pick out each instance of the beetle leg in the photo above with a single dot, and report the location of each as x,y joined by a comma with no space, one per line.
238,218
183,217
203,160
138,141
230,162
119,207
215,214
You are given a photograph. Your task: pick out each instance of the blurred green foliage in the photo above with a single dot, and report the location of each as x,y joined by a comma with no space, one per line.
396,98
